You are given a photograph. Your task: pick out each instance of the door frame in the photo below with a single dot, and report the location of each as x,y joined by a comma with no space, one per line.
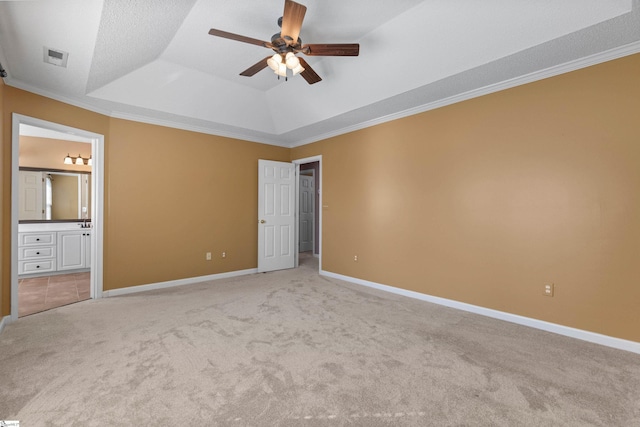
319,188
97,201
298,216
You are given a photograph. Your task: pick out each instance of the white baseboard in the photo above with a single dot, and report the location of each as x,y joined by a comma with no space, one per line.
580,334
179,282
4,321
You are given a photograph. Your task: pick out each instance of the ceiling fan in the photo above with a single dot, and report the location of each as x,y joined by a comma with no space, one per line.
287,43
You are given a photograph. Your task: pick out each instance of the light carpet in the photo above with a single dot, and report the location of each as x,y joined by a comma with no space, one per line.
292,348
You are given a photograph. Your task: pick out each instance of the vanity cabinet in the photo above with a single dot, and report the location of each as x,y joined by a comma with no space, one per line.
74,250
51,251
37,252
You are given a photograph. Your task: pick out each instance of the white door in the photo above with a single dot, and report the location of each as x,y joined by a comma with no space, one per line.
31,196
276,215
306,198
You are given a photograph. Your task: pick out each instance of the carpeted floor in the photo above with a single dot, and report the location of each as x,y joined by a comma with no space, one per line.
292,348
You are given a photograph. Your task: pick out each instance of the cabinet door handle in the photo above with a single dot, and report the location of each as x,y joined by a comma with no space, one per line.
37,240
37,253
37,266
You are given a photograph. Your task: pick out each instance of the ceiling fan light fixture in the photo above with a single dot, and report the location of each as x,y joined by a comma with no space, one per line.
274,61
287,43
282,70
292,60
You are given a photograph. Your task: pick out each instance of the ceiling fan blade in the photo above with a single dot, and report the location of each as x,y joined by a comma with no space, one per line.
258,66
292,21
345,49
309,75
237,37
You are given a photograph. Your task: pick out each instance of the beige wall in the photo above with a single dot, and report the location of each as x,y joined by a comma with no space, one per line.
175,195
49,153
170,196
487,200
483,202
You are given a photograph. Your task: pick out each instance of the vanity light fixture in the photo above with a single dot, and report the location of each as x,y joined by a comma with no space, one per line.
77,160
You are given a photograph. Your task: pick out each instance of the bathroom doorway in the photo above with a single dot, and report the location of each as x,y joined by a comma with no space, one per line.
56,260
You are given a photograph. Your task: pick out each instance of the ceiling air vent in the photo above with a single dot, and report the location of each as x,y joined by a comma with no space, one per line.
55,57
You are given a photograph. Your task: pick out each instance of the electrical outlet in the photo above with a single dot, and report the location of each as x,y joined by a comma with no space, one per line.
224,254
355,258
548,289
208,256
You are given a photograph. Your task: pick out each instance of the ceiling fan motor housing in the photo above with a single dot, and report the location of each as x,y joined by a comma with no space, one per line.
281,45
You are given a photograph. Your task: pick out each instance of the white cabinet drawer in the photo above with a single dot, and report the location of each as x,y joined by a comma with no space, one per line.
29,253
32,239
28,267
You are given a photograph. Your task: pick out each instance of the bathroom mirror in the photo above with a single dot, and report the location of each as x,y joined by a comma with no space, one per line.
53,195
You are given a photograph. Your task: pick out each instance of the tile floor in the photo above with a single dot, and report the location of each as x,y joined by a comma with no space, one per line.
43,293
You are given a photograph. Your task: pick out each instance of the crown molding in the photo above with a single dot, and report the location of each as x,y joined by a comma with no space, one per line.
567,67
194,128
57,97
556,70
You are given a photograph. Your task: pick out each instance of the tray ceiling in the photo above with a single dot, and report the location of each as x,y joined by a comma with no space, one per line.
154,61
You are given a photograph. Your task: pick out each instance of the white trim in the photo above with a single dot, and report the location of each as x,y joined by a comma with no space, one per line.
567,67
179,282
141,118
4,321
61,98
296,258
198,129
97,201
15,147
580,334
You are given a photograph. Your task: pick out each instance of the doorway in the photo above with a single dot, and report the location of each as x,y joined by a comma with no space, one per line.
89,240
308,200
313,167
278,213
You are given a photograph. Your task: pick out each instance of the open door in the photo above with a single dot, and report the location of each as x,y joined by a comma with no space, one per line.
276,215
306,210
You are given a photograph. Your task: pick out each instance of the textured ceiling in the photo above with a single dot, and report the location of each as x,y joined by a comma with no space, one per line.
153,60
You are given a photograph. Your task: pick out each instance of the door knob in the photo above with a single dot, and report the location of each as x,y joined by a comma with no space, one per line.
262,221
